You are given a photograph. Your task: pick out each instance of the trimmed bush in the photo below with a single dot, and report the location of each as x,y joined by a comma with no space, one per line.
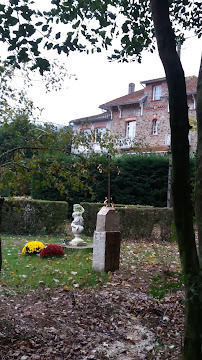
135,179
143,180
137,222
32,248
52,250
33,216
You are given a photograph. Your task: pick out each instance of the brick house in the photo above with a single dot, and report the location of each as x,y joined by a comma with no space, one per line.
141,116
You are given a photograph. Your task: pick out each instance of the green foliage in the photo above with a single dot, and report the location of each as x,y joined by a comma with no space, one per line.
136,222
61,178
135,179
141,180
90,26
27,149
14,102
32,217
166,284
16,133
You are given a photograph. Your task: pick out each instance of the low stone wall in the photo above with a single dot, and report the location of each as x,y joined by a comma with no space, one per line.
136,222
33,216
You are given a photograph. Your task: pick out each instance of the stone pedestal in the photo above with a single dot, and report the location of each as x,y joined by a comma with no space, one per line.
106,241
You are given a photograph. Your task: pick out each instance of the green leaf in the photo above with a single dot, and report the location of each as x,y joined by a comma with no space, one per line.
76,25
26,12
42,64
45,27
39,23
22,55
125,27
57,36
49,46
39,40
12,21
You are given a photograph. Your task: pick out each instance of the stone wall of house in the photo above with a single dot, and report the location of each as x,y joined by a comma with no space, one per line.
131,110
118,126
152,109
157,109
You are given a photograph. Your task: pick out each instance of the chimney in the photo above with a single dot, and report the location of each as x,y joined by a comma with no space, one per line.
131,88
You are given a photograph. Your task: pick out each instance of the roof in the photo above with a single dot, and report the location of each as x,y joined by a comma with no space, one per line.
152,80
103,116
191,84
138,96
135,97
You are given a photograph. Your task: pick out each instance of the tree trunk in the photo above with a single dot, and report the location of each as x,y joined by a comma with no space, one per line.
181,189
1,204
198,189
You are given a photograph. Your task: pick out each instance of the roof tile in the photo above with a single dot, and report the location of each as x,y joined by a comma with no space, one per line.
191,85
132,97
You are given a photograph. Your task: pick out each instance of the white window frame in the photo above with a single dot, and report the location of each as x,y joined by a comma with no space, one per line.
155,127
101,131
87,134
131,129
157,92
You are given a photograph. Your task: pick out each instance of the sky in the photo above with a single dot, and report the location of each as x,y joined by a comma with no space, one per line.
98,81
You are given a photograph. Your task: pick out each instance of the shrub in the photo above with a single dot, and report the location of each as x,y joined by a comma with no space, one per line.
24,216
32,247
135,179
137,222
52,250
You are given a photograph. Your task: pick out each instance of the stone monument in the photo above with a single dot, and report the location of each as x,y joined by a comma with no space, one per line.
77,225
106,240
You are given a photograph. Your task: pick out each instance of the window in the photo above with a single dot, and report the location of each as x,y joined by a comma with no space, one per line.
157,92
99,133
155,127
87,134
130,129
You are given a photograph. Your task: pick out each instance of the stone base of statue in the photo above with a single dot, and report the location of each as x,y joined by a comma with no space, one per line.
77,241
77,248
106,241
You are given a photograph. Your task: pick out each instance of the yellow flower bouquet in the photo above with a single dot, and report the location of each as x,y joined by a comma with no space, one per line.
32,247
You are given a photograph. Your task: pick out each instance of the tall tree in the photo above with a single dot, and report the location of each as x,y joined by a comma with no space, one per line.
181,189
198,191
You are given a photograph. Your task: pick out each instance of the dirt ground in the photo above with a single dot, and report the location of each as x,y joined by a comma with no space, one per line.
117,321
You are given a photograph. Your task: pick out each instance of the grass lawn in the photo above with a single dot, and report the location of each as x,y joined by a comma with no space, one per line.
142,260
25,272
60,307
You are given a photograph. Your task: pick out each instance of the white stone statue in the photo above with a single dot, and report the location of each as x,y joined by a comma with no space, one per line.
77,225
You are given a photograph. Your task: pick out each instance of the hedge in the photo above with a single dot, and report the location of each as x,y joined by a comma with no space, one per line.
135,179
136,222
33,216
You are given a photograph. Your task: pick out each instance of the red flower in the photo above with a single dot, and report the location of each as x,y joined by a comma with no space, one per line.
52,250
